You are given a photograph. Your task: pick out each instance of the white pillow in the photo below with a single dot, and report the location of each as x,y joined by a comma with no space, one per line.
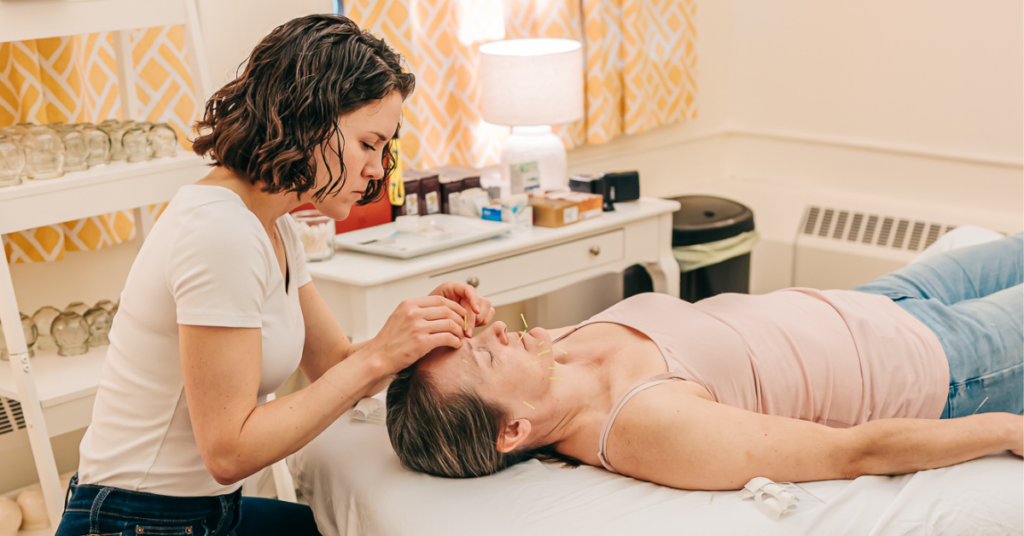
967,235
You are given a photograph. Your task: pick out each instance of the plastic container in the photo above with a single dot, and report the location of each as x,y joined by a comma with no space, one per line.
317,234
712,239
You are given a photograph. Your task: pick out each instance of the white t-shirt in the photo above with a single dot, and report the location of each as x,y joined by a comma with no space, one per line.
207,262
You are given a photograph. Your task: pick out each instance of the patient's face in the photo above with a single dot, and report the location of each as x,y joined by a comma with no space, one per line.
502,367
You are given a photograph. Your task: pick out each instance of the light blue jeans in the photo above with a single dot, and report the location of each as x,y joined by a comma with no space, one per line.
972,298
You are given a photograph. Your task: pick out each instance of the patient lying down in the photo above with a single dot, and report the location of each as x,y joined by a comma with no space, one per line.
795,385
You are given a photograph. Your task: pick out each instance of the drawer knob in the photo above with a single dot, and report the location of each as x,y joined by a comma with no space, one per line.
473,282
595,250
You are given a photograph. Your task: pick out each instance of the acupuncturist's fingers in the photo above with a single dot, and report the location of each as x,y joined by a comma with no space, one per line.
441,313
439,301
462,293
436,340
444,326
485,312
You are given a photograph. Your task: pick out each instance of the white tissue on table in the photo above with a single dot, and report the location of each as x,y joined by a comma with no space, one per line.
371,410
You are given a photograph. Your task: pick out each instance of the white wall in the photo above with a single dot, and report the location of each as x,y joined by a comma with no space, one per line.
911,98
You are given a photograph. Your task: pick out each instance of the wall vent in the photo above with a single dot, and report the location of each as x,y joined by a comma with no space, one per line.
11,416
908,234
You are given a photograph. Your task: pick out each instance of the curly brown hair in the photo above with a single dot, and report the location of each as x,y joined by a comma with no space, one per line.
268,123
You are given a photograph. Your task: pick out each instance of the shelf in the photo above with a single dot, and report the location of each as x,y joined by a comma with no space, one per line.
21,20
100,190
58,379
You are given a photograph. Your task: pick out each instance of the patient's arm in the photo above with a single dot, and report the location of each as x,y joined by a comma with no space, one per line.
669,436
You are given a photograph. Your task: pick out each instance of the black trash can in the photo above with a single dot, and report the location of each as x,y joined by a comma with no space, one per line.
703,219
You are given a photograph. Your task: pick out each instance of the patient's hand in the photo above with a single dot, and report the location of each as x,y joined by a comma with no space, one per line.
1018,436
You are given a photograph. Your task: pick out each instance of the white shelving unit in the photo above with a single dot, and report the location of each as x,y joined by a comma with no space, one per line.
57,393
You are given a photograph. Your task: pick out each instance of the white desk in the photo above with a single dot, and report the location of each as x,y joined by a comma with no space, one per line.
363,290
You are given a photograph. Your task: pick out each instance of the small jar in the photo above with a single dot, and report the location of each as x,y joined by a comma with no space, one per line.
31,333
98,143
104,304
14,131
10,517
136,145
99,320
115,129
78,307
44,153
43,319
163,141
33,509
12,161
71,332
76,149
108,124
317,234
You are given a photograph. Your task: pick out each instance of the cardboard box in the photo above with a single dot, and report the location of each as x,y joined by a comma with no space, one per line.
590,204
549,212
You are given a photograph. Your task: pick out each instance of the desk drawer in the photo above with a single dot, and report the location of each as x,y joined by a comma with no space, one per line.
539,265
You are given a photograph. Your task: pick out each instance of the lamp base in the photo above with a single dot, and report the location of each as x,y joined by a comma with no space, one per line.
536,144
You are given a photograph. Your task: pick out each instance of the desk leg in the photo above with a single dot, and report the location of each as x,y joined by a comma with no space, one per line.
665,274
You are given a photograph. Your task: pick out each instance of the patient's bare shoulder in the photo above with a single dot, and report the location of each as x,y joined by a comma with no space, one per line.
584,444
651,435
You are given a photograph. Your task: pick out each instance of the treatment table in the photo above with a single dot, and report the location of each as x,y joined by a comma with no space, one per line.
357,487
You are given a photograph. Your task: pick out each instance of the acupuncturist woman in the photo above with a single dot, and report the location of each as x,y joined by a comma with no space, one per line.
218,309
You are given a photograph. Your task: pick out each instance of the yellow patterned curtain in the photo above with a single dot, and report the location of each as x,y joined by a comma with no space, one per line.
74,79
641,64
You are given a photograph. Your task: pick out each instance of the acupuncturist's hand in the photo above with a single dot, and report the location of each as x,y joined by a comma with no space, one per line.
415,328
478,309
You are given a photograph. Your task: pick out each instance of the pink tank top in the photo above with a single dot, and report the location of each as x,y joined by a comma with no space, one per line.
835,357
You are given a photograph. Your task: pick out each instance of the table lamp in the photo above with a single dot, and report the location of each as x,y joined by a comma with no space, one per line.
531,84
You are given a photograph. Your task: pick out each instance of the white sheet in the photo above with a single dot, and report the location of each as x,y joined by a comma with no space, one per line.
357,487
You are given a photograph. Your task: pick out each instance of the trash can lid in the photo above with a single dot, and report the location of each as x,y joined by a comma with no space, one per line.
704,218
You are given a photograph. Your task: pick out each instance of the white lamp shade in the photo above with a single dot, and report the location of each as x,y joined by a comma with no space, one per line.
528,82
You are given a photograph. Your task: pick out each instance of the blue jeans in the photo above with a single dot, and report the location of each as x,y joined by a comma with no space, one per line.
106,511
973,299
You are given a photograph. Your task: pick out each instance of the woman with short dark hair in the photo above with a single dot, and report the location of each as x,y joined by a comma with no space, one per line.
918,369
219,309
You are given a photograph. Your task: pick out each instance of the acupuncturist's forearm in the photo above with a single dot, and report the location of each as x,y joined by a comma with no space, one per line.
898,446
326,344
315,362
279,428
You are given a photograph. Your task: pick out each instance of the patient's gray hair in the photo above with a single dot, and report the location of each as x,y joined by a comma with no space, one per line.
451,435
